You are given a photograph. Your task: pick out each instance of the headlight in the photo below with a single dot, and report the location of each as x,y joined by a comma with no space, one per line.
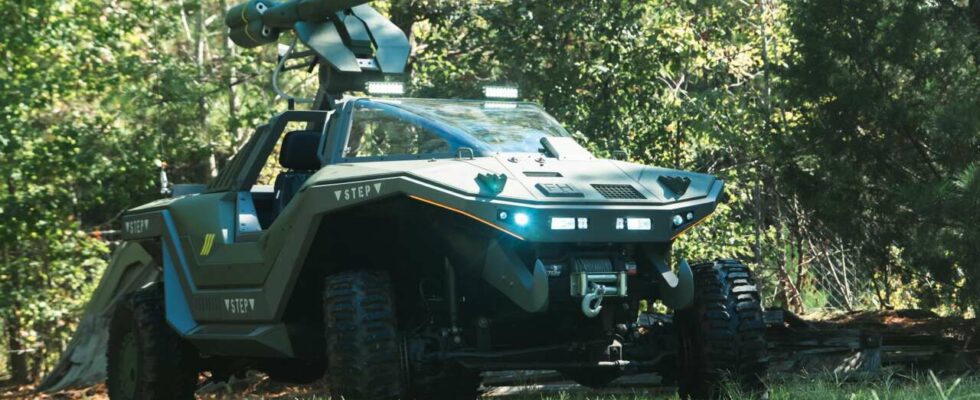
521,219
568,223
639,224
634,224
678,220
562,224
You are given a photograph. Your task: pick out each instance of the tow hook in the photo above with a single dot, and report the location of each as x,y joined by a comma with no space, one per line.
592,287
592,301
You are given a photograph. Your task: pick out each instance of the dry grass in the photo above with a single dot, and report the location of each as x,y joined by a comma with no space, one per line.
889,386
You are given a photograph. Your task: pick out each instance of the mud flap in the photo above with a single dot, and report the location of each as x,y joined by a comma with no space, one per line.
506,272
83,362
676,288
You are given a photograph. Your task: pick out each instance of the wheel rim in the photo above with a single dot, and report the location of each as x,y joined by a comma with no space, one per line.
128,370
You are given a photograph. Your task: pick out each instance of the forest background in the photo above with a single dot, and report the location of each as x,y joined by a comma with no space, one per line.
848,132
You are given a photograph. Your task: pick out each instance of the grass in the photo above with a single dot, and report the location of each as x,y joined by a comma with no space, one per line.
894,386
823,387
887,386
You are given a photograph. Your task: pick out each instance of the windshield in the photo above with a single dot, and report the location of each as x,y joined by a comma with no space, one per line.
500,126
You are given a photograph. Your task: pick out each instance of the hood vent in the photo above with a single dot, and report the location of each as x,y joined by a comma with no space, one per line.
619,192
542,174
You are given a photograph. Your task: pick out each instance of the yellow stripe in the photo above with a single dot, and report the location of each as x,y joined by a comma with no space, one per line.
461,212
208,242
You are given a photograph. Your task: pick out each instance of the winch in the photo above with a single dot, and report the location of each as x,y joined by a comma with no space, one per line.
593,279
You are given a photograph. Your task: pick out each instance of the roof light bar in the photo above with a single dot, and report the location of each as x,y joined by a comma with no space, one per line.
386,88
501,92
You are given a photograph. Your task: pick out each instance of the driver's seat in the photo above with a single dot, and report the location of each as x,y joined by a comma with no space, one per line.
298,155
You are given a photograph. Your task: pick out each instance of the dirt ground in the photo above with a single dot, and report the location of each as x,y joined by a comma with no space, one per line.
956,334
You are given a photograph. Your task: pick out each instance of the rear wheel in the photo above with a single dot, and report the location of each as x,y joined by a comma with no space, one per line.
146,359
363,345
722,335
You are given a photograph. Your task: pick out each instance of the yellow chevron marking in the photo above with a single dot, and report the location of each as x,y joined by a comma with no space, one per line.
208,244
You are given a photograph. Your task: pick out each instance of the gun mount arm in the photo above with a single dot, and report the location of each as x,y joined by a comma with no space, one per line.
354,43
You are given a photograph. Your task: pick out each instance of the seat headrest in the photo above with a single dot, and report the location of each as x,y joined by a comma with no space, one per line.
299,151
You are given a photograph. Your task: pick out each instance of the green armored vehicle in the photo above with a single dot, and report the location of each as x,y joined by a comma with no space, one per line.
408,245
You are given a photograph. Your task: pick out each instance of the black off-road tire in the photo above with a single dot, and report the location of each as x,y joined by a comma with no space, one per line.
722,335
146,359
363,345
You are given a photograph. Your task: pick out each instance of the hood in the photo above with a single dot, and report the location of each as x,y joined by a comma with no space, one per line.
533,178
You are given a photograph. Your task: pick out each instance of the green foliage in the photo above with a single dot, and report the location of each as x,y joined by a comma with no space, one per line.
887,93
848,133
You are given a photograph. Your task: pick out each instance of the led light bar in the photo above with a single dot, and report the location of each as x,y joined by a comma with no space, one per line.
634,224
569,223
501,92
639,224
562,224
386,88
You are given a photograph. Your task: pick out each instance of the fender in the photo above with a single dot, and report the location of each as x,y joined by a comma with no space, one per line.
506,272
676,289
83,361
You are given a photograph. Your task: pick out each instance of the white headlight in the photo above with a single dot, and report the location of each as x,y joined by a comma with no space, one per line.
678,220
562,224
639,224
521,219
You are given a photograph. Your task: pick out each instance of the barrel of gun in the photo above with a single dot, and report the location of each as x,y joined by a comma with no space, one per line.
258,22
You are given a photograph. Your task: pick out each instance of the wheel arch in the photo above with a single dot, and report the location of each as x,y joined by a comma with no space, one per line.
131,268
397,234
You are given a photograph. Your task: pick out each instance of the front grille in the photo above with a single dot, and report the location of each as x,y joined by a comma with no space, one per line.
619,192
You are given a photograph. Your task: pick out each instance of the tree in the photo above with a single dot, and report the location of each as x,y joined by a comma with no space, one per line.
888,142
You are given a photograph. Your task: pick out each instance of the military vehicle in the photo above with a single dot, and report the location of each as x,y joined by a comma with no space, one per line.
408,245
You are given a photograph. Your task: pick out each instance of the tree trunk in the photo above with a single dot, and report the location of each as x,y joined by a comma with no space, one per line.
17,359
200,38
975,12
230,53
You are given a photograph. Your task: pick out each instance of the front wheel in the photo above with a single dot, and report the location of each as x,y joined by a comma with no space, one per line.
146,359
363,345
722,335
